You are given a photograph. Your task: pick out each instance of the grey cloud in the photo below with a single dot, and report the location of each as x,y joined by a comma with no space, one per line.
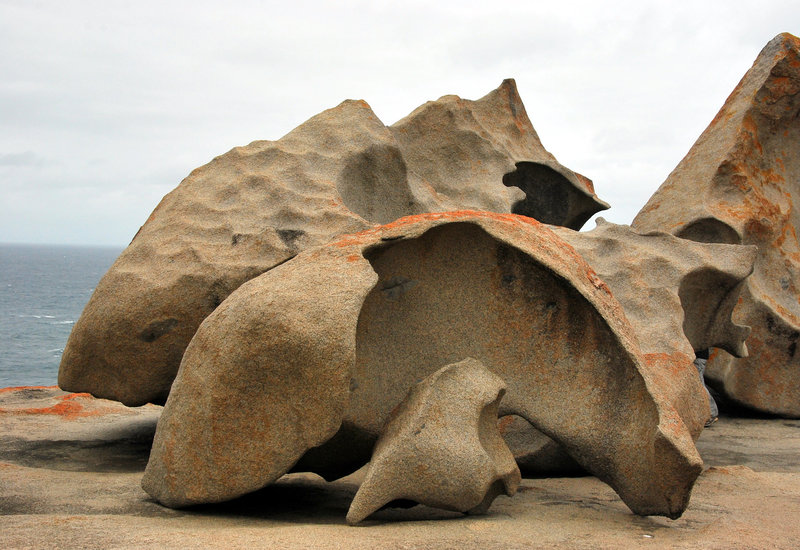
28,158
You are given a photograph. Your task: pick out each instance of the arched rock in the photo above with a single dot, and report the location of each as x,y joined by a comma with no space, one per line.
332,340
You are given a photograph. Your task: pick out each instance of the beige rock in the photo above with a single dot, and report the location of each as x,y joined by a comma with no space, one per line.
254,207
679,297
486,155
738,184
334,339
441,446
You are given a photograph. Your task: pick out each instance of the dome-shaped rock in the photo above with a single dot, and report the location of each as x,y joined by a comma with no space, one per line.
254,207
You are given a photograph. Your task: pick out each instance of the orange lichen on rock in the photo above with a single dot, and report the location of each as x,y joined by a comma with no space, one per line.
68,406
432,288
13,389
742,174
251,209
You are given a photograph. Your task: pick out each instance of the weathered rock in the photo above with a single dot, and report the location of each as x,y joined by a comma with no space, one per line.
486,155
333,340
738,184
441,446
679,296
536,454
257,206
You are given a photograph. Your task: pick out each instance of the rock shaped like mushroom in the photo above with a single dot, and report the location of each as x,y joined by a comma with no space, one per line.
679,297
254,207
738,184
441,446
317,352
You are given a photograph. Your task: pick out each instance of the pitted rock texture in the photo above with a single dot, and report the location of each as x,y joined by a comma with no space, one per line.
333,340
679,297
486,155
738,184
441,446
254,207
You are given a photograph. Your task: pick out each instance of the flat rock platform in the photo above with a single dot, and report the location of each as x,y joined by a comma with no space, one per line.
71,465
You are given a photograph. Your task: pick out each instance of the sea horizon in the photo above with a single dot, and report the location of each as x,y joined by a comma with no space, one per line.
43,290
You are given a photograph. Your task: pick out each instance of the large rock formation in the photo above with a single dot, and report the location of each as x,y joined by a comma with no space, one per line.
441,446
679,297
257,206
468,150
321,348
738,184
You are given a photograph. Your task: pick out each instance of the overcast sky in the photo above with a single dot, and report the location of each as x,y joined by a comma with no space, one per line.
106,106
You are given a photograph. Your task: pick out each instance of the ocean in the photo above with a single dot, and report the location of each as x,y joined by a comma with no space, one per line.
43,290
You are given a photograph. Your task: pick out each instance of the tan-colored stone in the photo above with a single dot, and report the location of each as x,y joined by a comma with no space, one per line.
441,446
486,155
679,296
333,340
254,207
738,184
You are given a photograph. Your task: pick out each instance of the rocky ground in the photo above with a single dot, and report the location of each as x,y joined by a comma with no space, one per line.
70,468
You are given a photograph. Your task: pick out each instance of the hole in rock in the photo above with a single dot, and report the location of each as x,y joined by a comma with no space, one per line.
474,296
549,196
710,230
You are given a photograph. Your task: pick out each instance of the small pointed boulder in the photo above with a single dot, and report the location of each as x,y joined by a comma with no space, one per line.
441,446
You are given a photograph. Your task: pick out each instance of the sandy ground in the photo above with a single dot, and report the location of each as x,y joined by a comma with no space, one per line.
70,467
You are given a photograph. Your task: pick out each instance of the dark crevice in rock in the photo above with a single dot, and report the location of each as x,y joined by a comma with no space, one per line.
157,329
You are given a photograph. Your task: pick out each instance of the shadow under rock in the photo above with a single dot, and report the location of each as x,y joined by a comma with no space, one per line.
304,498
117,449
293,498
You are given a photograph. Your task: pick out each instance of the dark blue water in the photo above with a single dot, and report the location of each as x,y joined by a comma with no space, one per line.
43,290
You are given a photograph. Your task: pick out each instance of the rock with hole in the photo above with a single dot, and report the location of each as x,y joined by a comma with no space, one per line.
679,297
738,184
302,366
251,209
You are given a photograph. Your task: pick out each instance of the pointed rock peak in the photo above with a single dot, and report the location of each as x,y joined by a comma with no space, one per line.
354,104
741,180
506,94
784,40
484,154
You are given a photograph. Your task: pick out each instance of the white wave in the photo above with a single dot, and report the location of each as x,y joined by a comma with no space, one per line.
36,316
63,323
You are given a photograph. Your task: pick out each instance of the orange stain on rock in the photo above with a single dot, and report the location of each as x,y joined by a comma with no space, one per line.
19,388
504,422
67,406
586,182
